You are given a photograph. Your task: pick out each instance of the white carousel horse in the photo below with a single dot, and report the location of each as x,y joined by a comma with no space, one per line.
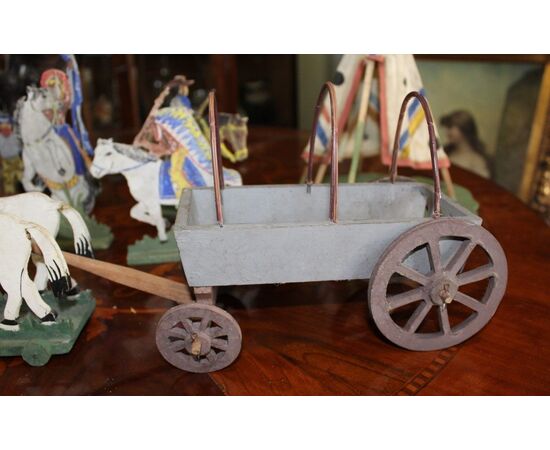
46,154
150,179
38,208
16,239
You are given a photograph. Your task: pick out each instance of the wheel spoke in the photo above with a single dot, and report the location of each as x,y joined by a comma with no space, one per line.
215,332
412,274
443,314
176,346
477,274
205,321
417,317
468,301
435,254
211,356
459,258
178,332
220,344
399,300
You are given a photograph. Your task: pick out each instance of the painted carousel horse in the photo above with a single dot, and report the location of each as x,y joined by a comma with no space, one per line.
38,208
16,240
46,154
165,129
154,182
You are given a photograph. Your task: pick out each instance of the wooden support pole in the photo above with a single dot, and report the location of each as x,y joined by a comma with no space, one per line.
360,127
320,175
448,182
135,279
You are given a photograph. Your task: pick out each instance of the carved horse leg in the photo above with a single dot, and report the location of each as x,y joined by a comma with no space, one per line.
41,276
151,214
29,173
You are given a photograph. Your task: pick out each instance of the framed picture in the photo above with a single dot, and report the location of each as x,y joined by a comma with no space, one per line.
498,106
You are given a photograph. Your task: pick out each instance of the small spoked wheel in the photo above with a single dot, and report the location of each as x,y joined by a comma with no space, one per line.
450,276
198,337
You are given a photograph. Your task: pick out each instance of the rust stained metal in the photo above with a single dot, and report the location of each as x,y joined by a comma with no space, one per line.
328,88
432,144
217,168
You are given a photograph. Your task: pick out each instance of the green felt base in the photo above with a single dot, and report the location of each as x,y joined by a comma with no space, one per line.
151,251
36,342
463,195
102,236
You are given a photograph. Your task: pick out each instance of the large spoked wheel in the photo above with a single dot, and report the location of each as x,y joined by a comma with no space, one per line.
198,337
451,276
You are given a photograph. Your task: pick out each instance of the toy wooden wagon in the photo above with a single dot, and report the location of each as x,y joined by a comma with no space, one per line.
397,234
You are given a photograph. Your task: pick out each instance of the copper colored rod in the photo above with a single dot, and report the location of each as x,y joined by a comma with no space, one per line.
432,142
327,87
217,168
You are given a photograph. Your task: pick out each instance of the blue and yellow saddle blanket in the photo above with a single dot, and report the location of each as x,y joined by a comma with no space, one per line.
190,165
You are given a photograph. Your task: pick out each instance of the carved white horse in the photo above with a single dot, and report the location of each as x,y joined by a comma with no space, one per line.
145,176
16,239
38,208
46,154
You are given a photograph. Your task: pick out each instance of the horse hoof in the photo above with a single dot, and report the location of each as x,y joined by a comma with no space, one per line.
49,319
9,325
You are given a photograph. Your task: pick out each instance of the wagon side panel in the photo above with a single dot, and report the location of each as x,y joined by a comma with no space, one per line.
241,255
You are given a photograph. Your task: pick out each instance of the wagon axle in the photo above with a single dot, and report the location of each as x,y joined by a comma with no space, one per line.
443,290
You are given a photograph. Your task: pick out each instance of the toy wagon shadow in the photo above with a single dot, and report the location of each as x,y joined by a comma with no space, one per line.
396,233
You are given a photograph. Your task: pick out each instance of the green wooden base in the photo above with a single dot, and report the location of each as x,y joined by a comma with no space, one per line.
36,342
102,236
463,195
151,251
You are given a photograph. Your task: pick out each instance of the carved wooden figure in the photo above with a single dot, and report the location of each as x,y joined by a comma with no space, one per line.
16,241
152,181
38,208
46,154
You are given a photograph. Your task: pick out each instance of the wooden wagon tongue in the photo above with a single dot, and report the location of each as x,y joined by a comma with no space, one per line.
136,279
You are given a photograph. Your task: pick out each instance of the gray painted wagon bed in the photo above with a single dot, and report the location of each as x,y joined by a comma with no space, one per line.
392,232
282,234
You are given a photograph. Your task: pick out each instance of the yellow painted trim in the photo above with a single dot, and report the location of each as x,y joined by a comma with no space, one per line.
537,129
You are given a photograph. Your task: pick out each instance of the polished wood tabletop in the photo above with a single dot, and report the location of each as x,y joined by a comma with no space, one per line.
310,338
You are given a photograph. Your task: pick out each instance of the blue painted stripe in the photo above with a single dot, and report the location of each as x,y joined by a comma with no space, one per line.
166,189
374,101
192,174
403,139
413,107
322,135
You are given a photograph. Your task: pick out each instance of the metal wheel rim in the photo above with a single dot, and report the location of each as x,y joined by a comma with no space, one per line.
429,233
184,328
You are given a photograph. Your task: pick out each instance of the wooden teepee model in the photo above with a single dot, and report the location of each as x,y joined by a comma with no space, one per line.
369,91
